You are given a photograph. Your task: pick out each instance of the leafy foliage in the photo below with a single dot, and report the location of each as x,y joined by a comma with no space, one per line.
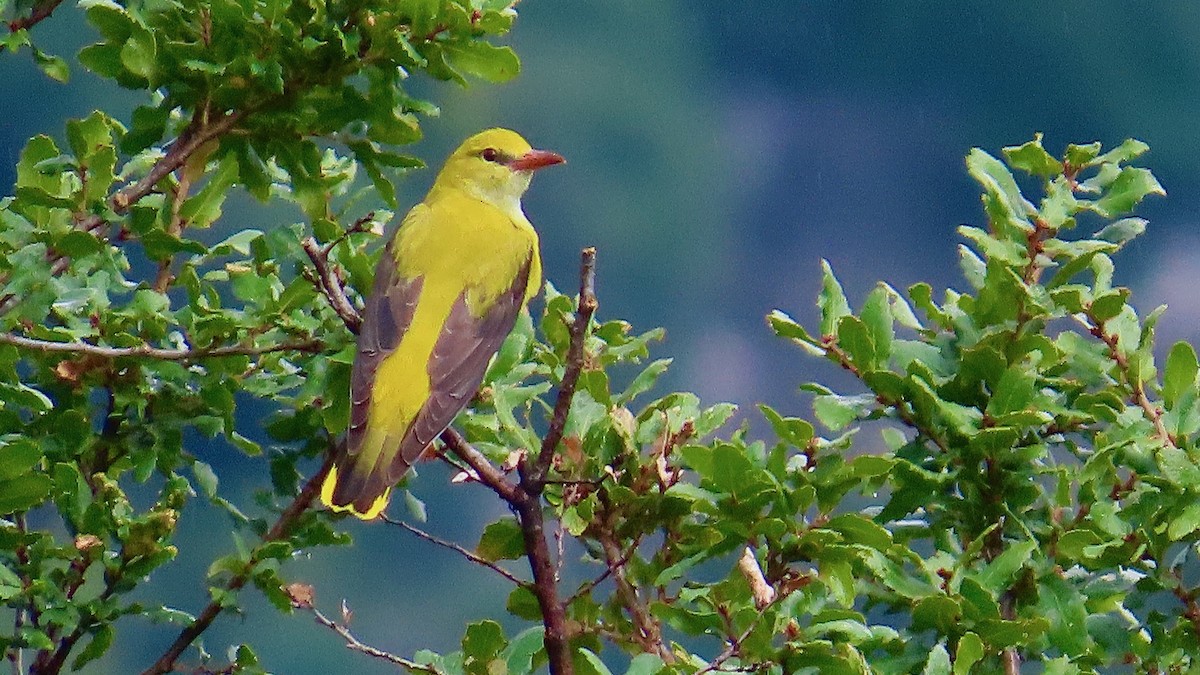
1031,495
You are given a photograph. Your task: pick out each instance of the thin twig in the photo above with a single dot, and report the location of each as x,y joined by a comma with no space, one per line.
536,476
48,346
469,555
358,646
330,285
166,662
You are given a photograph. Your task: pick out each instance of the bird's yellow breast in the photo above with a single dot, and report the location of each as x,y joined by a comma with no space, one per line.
455,244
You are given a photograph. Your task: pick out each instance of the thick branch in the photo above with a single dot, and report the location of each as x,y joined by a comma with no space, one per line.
545,585
48,346
535,478
330,285
166,662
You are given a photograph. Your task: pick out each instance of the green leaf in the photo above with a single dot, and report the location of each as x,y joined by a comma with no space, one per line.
1179,376
1122,231
831,300
484,60
645,664
1129,149
855,341
1187,522
1014,392
23,492
139,53
18,456
206,478
522,649
1001,571
644,381
1032,158
938,662
1063,606
501,540
1131,186
101,640
592,665
53,66
792,430
968,653
482,644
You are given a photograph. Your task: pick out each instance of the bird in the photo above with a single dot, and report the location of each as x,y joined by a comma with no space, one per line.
447,291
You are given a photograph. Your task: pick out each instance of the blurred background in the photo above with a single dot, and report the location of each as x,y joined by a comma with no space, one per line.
717,151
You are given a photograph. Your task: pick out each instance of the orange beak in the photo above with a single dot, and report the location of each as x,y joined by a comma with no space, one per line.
536,159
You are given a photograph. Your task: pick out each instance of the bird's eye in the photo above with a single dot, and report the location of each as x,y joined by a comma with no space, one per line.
490,154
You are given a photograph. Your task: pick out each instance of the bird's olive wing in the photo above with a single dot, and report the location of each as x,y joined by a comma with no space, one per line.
457,366
388,313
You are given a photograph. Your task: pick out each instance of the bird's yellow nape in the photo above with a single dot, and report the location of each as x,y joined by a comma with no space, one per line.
330,483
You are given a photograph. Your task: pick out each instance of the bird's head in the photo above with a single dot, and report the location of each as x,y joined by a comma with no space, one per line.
495,166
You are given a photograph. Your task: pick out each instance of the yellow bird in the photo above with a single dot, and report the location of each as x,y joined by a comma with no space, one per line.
447,292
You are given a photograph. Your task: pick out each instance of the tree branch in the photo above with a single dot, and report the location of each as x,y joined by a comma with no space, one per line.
357,645
41,12
330,286
534,480
166,662
1137,391
473,557
49,346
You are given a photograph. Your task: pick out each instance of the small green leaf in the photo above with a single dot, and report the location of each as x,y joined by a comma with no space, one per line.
23,492
482,644
1032,158
206,478
53,66
938,662
592,665
484,60
1179,375
968,653
18,455
501,540
1131,186
831,300
101,640
1002,570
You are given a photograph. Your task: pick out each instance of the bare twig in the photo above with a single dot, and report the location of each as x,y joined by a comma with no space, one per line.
166,662
41,12
358,646
330,285
48,346
534,479
469,555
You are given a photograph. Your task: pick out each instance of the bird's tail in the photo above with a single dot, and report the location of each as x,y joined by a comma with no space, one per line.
357,487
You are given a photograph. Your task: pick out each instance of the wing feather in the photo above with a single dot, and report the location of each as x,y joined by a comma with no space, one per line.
386,317
457,365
